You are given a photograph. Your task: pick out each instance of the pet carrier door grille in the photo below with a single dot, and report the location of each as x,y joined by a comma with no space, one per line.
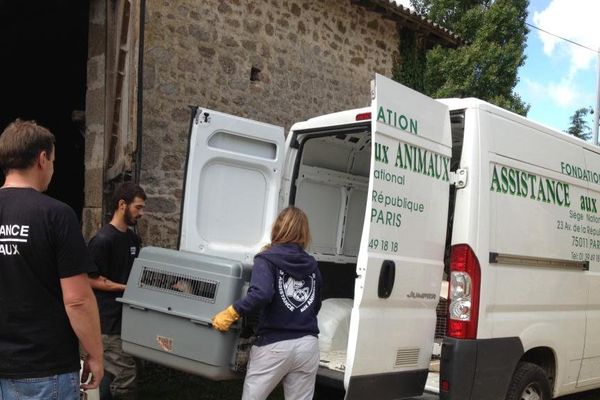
179,284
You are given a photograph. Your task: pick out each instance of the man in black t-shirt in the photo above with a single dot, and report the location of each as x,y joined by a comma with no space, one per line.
113,249
47,306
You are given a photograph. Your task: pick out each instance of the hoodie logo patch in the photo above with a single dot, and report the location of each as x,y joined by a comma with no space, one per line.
296,293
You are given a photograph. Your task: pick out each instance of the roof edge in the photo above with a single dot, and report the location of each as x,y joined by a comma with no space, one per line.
397,11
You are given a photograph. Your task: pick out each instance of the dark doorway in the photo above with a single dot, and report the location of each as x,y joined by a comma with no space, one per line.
43,47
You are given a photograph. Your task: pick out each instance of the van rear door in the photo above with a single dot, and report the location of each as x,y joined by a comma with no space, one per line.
231,189
400,261
231,186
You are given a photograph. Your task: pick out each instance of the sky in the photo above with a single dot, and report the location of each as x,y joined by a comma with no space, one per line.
559,77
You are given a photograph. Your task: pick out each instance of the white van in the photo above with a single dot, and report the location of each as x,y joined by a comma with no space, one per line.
375,185
393,193
524,303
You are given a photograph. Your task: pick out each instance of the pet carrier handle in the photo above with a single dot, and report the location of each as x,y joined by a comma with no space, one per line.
209,323
201,322
137,307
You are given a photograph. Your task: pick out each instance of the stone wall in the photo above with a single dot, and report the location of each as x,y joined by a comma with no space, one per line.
306,58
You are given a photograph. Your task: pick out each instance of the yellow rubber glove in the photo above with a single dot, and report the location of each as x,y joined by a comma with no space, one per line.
223,320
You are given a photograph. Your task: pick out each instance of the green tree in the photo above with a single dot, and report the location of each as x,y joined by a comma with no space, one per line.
486,66
409,69
579,126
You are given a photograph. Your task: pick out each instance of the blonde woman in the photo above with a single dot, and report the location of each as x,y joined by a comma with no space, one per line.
286,286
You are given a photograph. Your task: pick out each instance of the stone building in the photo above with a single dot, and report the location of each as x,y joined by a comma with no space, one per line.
276,61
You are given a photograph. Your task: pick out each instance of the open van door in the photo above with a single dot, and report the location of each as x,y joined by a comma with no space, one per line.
231,186
401,257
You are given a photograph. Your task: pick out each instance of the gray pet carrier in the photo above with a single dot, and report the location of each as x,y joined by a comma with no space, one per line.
167,309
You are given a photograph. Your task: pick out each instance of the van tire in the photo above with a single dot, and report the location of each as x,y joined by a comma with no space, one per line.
529,382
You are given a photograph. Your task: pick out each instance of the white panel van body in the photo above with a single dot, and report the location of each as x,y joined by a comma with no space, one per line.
523,269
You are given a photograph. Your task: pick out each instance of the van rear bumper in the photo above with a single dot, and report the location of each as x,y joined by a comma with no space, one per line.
387,386
479,369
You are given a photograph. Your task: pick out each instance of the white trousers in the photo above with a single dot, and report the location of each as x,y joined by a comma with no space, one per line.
295,361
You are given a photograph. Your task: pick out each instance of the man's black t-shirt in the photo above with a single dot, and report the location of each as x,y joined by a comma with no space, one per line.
40,243
113,252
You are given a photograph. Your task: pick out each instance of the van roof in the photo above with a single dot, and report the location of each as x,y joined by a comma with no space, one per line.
473,103
334,119
349,117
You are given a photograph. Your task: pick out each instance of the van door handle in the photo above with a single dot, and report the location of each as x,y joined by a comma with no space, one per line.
387,276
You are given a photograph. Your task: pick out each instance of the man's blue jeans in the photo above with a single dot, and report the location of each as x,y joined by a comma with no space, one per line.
56,387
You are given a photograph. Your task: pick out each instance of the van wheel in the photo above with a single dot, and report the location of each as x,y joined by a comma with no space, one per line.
529,382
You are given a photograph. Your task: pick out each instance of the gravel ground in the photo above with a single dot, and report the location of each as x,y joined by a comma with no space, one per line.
160,383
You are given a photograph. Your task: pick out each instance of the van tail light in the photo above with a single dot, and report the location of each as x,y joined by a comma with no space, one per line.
463,293
363,116
444,386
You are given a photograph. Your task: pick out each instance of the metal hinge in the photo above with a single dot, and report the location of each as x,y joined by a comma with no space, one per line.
459,178
373,90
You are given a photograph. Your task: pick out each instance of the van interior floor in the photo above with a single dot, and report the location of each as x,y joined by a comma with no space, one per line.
334,360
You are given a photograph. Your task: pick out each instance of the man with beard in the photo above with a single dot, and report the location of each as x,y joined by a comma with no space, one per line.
113,250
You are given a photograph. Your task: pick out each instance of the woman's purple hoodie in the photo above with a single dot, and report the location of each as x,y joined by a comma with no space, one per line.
286,286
